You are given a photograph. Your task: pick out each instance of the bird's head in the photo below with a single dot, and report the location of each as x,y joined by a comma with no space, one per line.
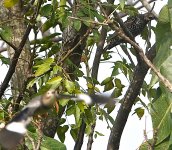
49,98
149,16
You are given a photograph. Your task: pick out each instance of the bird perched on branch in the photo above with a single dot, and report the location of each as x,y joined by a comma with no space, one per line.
14,131
134,24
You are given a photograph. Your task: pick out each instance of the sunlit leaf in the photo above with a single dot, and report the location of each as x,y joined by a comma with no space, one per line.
41,69
69,85
77,25
10,3
6,33
139,111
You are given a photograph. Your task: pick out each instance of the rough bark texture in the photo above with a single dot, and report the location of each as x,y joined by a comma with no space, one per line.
70,38
129,99
13,18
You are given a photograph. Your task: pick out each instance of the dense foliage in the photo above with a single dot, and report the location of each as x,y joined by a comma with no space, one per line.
60,37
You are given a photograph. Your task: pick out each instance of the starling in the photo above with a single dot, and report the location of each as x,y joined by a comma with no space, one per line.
135,24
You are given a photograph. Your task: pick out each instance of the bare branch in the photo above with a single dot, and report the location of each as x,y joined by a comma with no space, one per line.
79,142
129,99
10,44
100,45
148,7
14,61
71,50
3,49
90,138
138,8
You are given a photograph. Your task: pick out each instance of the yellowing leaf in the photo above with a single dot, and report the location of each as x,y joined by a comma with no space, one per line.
89,85
55,82
10,3
43,67
70,86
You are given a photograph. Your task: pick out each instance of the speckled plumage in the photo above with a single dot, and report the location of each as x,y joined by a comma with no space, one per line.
135,25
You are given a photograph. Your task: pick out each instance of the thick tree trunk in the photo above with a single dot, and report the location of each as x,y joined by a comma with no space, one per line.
13,18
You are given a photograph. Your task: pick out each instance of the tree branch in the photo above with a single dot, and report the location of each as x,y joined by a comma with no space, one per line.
3,49
10,44
100,45
79,142
146,4
17,53
129,99
90,138
14,61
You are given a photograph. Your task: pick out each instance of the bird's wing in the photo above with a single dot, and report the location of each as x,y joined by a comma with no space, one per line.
15,130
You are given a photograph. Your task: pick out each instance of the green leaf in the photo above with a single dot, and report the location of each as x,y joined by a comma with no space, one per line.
89,116
74,133
99,17
89,85
164,15
163,47
77,25
77,114
105,81
161,117
70,110
170,12
62,6
51,22
100,134
81,106
108,86
69,85
122,4
52,144
110,107
55,81
6,33
10,3
88,130
41,69
4,60
61,132
46,10
118,83
46,144
56,69
63,102
1,115
31,82
162,146
139,111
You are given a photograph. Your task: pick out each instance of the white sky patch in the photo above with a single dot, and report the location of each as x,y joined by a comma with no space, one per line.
171,47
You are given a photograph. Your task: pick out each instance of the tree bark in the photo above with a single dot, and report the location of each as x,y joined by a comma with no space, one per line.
13,18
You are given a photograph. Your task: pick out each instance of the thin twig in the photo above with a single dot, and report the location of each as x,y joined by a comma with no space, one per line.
32,141
148,7
3,49
10,44
89,21
71,50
